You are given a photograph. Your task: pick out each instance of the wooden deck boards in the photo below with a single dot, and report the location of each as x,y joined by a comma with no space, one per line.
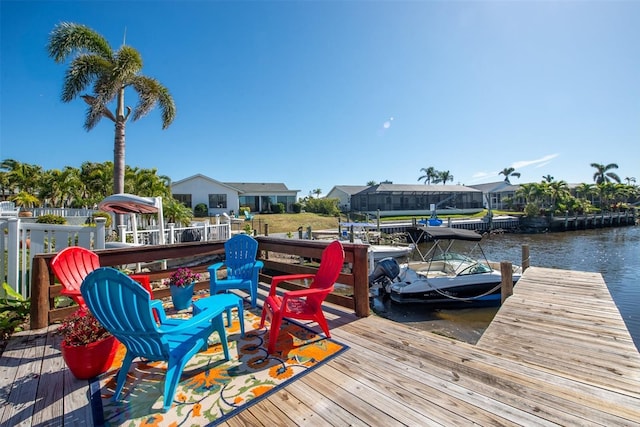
557,352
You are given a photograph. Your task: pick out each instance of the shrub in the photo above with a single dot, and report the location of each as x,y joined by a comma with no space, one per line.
101,214
323,206
14,310
201,210
297,207
51,219
277,208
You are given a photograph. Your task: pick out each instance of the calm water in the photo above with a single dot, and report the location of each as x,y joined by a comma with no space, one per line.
613,252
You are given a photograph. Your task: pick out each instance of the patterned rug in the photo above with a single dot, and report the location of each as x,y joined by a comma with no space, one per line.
212,390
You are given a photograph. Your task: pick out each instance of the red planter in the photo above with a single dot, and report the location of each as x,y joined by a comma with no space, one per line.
90,360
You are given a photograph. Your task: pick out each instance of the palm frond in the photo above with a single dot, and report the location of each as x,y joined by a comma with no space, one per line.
127,63
150,92
82,70
68,37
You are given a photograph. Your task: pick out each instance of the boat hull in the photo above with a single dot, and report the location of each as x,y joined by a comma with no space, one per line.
479,292
449,289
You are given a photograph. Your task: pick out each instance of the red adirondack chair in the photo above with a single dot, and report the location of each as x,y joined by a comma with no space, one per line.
71,265
304,304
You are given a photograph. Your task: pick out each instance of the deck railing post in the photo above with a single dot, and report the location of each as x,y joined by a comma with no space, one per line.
506,270
525,257
361,282
39,310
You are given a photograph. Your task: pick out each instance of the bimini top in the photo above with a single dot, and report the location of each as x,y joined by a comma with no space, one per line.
442,233
124,203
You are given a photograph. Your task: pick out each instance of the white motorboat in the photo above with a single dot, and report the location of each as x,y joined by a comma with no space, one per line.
443,275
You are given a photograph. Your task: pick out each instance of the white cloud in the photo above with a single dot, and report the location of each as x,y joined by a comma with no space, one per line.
524,163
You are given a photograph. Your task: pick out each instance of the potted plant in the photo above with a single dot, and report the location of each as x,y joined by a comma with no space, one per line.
181,283
88,348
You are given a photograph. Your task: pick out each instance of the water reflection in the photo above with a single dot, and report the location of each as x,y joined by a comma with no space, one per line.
613,252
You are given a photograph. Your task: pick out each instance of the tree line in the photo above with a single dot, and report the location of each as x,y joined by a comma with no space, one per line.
553,196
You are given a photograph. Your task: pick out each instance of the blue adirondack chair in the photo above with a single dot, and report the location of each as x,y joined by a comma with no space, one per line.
126,310
242,267
247,215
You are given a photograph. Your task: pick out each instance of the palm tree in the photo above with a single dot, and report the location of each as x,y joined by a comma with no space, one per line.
444,177
430,174
630,180
317,192
371,183
548,178
603,173
507,172
110,72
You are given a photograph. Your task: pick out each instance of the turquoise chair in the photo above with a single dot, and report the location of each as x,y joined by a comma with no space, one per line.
242,267
126,310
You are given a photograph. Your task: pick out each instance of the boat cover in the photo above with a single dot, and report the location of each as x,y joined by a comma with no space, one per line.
124,203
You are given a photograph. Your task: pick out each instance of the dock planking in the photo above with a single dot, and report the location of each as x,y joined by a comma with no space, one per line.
556,353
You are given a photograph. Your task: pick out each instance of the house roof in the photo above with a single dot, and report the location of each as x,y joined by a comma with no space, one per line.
200,176
418,188
496,187
243,187
260,187
349,189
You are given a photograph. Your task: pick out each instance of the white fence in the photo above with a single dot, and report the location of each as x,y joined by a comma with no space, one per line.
22,240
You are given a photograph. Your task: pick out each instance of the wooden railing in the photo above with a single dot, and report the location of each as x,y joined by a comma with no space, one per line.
275,253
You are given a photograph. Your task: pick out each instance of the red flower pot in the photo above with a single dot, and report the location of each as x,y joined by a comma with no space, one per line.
91,360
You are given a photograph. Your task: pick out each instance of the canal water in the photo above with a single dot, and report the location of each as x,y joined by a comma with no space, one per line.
613,252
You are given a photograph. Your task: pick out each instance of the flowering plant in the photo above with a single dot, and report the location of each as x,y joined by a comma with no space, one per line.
81,328
183,277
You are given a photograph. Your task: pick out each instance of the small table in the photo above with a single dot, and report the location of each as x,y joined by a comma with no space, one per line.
228,300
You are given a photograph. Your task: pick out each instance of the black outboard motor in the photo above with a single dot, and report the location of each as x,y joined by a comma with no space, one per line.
386,270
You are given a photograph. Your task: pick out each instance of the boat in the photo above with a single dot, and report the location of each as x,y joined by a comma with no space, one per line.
443,275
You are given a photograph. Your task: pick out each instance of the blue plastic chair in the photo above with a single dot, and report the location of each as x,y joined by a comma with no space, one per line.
126,310
242,267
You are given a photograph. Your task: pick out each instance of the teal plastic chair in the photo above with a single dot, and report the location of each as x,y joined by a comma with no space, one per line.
126,310
242,267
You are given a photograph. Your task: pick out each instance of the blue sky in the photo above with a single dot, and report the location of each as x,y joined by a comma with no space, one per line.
316,94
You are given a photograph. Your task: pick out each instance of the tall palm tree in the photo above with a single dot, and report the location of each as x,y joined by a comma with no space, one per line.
548,178
110,73
630,180
430,174
603,173
507,172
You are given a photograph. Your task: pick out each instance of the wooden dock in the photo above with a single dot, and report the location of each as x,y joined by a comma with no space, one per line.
557,353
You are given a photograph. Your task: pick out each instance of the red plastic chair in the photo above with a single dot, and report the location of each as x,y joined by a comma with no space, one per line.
304,304
71,265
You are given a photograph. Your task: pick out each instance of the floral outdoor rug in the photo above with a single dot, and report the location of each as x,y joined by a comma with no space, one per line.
212,390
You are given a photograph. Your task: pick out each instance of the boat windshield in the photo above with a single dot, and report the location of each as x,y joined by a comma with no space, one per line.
452,256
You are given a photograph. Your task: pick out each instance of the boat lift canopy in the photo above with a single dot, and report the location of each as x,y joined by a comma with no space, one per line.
124,203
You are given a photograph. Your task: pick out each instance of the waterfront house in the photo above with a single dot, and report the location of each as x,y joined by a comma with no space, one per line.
229,197
417,199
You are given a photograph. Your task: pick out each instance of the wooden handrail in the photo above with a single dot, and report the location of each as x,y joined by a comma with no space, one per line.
44,289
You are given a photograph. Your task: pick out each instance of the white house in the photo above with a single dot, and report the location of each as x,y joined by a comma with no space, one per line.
229,197
344,193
